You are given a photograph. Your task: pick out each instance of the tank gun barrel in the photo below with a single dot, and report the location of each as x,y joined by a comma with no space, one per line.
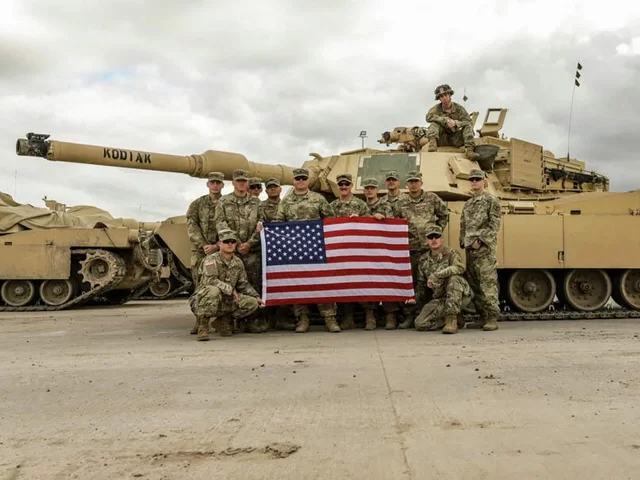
196,165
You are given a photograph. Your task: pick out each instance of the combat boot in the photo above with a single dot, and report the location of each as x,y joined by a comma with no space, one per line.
390,321
303,323
470,154
256,325
460,320
490,325
332,324
450,324
407,323
370,320
347,321
224,325
194,329
203,334
432,146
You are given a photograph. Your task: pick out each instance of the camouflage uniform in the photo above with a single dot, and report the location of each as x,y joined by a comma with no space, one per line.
451,292
480,220
310,206
201,229
214,296
391,200
422,213
439,131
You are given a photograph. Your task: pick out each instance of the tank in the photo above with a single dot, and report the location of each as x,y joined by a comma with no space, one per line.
551,264
54,260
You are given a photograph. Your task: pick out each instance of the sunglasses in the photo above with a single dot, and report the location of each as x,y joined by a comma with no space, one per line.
476,179
229,241
344,184
434,236
255,186
299,179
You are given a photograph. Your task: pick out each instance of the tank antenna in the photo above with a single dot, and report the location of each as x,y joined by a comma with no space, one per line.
576,83
464,98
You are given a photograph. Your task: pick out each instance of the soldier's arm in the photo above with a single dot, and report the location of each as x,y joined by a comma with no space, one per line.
220,219
463,117
196,237
490,234
326,210
456,266
433,117
243,285
255,236
442,212
462,229
281,213
364,209
387,210
421,286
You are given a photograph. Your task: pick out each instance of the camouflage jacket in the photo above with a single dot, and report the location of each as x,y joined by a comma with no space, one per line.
269,209
345,209
226,275
201,226
310,206
480,220
391,200
381,207
240,214
438,267
421,212
458,113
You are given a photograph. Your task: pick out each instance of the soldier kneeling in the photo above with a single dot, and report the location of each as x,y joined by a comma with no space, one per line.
441,270
224,291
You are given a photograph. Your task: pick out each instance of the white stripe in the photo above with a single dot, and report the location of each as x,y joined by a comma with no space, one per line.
365,239
366,226
337,266
343,293
283,282
370,252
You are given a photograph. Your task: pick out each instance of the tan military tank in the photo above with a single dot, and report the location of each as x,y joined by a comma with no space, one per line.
563,234
53,260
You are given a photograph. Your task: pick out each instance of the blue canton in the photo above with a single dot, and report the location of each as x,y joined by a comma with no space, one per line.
295,243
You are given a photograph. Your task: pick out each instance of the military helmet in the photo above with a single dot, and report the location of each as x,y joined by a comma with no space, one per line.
442,89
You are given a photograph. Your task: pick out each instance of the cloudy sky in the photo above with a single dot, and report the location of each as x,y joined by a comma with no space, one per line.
278,79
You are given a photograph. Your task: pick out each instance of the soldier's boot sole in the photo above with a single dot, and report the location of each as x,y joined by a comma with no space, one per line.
370,321
332,324
451,324
303,324
203,334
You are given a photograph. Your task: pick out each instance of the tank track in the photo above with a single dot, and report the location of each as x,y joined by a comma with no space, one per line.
118,270
558,314
184,285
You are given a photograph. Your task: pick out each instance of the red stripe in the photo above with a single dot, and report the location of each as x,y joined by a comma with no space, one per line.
341,220
367,258
365,233
328,299
338,286
339,272
367,246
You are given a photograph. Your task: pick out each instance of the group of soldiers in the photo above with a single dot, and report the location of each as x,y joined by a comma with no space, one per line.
226,253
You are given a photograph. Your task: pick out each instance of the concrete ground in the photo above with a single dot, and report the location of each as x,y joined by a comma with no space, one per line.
126,392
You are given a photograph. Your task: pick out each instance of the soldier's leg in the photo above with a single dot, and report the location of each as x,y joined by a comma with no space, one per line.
454,291
196,260
328,312
390,310
252,263
434,132
465,137
369,315
347,322
301,312
206,302
487,266
431,317
409,311
245,306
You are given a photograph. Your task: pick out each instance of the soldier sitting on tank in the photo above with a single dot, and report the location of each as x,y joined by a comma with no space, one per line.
441,270
449,124
224,291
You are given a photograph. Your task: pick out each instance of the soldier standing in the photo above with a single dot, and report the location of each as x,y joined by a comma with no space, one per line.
441,270
303,204
450,124
224,291
241,212
255,186
201,227
346,205
379,209
422,210
479,226
392,182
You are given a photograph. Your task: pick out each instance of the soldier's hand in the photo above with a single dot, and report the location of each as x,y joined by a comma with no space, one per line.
208,249
430,283
476,244
354,215
378,216
243,248
260,301
410,301
259,227
451,123
236,297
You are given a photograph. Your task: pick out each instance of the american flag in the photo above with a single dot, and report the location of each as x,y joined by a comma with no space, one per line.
357,259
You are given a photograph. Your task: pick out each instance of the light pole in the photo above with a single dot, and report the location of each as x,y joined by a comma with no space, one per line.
363,135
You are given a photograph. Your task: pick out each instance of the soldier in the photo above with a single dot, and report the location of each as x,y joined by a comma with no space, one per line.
255,186
241,212
201,227
479,226
422,210
346,205
450,124
302,204
379,209
441,270
224,291
392,182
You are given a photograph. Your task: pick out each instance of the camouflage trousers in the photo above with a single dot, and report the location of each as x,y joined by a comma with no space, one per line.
446,138
196,260
409,311
253,266
208,301
326,310
482,275
457,295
